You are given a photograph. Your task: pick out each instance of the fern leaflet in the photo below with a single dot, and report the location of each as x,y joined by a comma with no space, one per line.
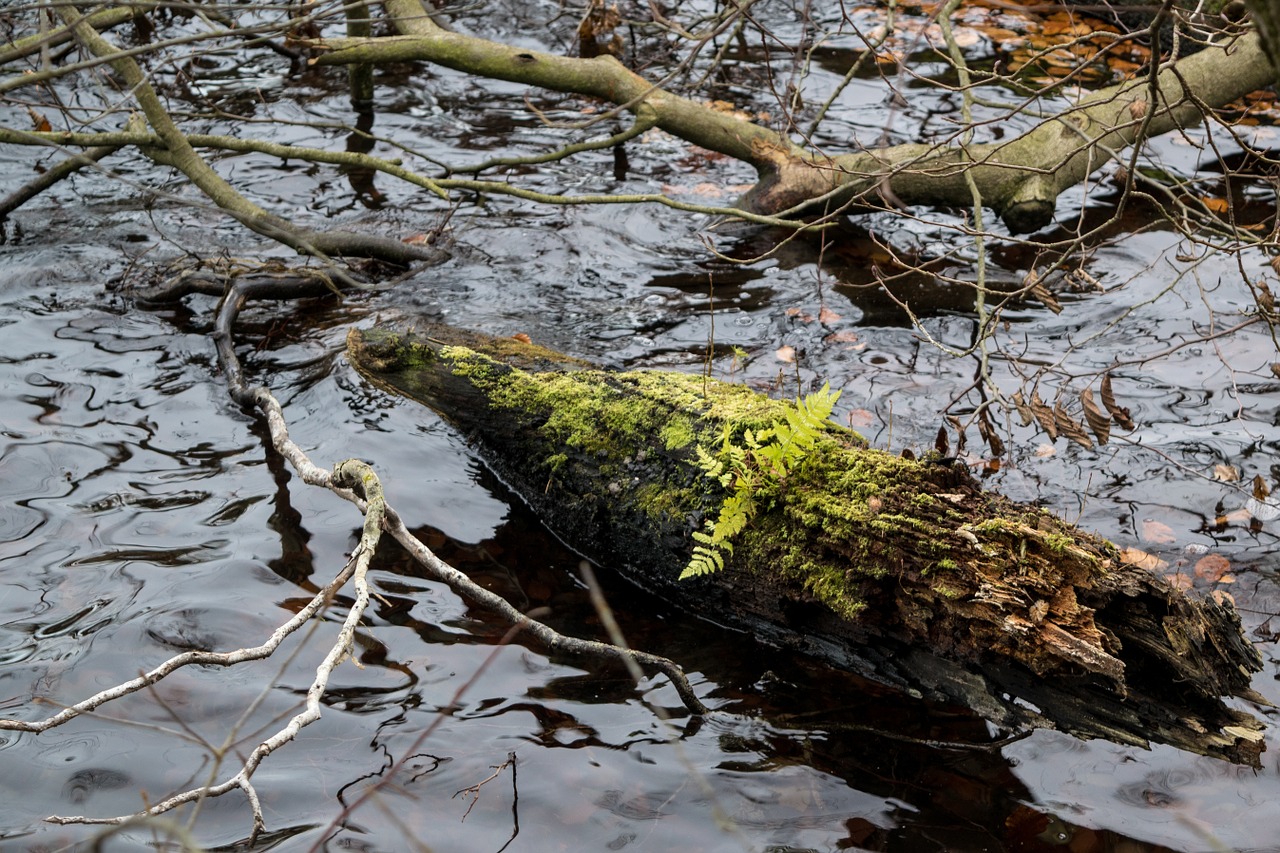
755,468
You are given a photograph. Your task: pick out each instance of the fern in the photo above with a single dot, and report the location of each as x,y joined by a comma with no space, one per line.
755,468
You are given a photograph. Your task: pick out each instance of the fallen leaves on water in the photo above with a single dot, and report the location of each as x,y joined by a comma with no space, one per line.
1214,568
859,418
786,353
1143,560
827,317
1225,473
1157,533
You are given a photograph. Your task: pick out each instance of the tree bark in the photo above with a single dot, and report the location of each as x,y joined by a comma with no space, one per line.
905,571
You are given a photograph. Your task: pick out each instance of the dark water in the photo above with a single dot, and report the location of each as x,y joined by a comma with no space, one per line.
142,516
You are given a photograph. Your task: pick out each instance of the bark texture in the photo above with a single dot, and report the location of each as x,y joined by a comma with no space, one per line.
902,570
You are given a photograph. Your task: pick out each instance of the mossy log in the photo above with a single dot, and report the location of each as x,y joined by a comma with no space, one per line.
905,571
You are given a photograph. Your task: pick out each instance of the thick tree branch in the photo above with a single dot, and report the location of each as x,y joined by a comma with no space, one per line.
1020,179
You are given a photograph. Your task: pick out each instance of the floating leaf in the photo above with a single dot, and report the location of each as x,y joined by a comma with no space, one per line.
1118,412
1045,450
1212,567
786,353
1157,533
1070,427
1224,473
1098,422
842,338
827,317
1143,560
860,418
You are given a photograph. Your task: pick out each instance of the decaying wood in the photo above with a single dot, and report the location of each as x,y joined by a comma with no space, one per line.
905,571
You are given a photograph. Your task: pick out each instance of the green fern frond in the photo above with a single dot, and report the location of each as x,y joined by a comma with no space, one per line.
753,470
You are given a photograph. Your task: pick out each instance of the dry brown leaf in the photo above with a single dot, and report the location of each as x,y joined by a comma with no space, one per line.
1143,560
1024,411
1039,291
1215,205
1099,422
1070,427
1225,473
1224,598
1212,567
1118,412
827,317
786,353
1260,488
1181,581
1275,369
40,124
989,434
1044,416
1138,108
522,338
842,338
941,443
1157,533
1265,298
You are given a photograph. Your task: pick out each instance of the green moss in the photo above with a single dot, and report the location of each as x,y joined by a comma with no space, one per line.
843,519
678,433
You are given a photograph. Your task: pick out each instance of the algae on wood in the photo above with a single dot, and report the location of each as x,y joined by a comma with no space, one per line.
903,570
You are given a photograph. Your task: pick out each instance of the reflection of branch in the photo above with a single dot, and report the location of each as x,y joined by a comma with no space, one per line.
473,791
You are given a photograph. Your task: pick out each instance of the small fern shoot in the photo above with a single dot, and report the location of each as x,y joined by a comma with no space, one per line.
753,470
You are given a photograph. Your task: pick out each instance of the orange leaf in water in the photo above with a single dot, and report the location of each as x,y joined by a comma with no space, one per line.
827,317
1157,533
1212,567
787,354
842,338
860,418
1141,559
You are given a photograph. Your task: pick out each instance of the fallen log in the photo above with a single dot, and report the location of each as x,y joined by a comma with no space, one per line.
904,571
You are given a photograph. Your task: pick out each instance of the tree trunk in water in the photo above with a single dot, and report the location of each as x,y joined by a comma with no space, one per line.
905,571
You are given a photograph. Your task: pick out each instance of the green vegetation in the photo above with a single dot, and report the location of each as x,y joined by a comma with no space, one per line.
754,471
